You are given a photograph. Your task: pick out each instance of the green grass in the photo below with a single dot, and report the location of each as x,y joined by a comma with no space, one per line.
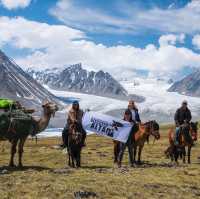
46,174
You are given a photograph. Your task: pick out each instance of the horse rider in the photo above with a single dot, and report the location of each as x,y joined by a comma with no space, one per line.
74,116
135,114
134,111
182,116
130,141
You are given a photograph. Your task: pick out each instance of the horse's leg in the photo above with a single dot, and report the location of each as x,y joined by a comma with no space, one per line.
139,154
79,159
176,154
189,153
69,159
72,159
69,156
76,158
115,151
21,150
134,154
171,153
183,154
13,151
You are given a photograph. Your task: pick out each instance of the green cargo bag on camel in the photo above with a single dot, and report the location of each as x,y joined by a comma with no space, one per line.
6,103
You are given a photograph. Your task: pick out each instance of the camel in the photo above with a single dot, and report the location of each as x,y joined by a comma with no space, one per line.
18,132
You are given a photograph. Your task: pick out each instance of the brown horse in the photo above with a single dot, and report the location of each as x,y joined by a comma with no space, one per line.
74,145
140,137
187,136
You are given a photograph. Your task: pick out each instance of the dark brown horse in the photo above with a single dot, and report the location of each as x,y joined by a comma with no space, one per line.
74,145
140,137
187,136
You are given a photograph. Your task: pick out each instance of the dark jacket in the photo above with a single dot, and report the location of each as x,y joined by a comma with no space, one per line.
74,116
182,115
137,116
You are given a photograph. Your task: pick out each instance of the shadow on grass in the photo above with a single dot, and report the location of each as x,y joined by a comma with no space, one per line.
24,168
94,167
147,164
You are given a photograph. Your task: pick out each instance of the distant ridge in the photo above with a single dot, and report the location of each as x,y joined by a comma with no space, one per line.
190,85
76,79
18,85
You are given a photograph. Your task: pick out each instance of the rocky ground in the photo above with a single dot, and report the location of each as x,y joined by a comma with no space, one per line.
46,174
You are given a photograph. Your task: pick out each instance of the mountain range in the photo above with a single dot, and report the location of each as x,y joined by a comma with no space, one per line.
190,85
17,84
76,79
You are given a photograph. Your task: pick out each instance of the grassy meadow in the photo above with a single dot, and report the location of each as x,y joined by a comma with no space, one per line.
46,175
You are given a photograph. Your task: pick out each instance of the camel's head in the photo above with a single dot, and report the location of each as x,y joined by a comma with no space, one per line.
50,108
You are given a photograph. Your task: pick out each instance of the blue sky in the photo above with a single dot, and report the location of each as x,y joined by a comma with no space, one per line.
119,36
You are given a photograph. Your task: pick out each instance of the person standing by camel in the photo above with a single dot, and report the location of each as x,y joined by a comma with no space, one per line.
182,116
75,115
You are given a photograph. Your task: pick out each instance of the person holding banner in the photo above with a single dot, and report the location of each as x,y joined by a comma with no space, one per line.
134,111
130,141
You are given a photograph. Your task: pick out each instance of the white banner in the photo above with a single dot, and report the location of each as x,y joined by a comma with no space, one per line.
105,125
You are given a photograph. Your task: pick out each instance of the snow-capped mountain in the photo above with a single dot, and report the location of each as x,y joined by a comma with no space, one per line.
76,79
159,104
18,85
190,85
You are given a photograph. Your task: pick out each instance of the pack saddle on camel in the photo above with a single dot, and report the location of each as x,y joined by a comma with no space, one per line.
16,124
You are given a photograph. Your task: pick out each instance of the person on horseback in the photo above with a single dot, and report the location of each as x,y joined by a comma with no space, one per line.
134,111
130,142
74,117
182,116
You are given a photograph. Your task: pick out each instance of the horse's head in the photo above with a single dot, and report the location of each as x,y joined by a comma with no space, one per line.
194,130
75,132
50,108
152,127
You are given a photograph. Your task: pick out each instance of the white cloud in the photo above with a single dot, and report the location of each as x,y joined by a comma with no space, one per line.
56,46
196,41
171,39
134,20
22,33
89,19
14,4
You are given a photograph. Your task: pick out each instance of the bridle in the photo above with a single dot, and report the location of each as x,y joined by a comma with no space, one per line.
151,130
73,132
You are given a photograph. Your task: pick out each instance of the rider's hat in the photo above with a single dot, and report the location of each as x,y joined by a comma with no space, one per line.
75,102
184,102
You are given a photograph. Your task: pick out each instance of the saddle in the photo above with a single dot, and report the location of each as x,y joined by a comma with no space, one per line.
186,134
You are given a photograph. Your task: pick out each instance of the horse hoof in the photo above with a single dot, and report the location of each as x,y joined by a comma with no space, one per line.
12,165
20,165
